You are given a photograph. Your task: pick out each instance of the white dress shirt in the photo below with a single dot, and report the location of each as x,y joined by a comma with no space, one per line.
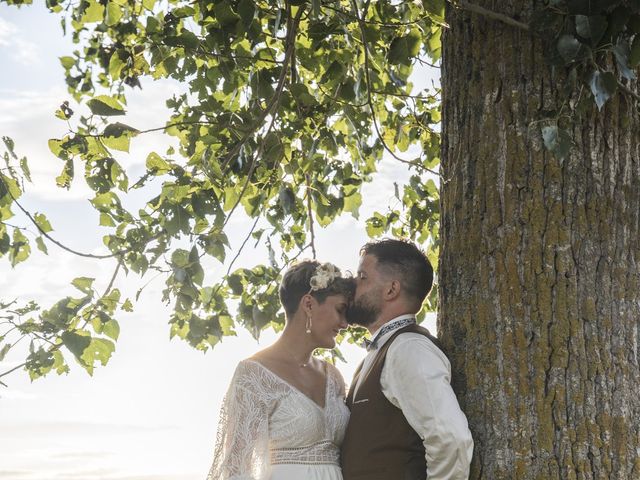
416,378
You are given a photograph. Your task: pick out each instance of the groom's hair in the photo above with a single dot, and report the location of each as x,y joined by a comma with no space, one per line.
296,283
403,260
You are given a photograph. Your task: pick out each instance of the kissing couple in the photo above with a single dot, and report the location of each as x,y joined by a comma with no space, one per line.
287,414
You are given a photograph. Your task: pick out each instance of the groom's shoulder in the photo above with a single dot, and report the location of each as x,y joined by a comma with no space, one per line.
416,344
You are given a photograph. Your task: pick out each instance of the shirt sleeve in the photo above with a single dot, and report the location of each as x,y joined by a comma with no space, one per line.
241,451
416,379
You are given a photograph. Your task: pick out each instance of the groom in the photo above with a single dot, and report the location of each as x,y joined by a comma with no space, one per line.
405,422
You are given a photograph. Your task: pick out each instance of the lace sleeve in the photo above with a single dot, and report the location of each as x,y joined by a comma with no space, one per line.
242,442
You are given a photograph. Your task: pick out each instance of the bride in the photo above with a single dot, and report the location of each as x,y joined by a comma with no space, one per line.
284,417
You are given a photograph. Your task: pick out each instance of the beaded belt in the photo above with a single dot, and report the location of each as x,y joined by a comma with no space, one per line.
317,453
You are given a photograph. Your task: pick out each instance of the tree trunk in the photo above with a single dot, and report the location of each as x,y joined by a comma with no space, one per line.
539,280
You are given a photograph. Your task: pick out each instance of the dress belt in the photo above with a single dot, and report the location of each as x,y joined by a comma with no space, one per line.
325,452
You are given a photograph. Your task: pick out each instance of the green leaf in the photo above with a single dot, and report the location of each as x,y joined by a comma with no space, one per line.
591,28
634,54
58,363
570,48
114,14
622,53
93,13
225,15
158,164
66,176
67,62
116,65
247,10
334,73
603,86
43,223
352,204
557,141
76,342
106,220
4,350
127,306
188,40
99,349
111,329
105,106
20,249
25,168
117,136
55,145
83,284
375,225
41,245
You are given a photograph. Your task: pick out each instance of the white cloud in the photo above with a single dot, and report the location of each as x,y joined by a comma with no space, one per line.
7,31
7,394
20,49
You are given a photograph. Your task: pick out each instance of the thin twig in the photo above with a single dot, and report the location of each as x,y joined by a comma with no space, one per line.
404,95
150,130
343,102
113,278
11,370
310,215
253,227
252,168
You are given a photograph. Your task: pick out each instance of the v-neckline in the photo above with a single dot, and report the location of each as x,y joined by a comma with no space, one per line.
296,389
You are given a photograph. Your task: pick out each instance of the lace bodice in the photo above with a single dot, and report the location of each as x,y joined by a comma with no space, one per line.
264,420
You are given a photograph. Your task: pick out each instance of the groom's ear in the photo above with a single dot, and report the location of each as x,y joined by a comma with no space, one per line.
393,290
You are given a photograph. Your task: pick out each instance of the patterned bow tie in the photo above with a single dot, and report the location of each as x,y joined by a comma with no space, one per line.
396,324
369,344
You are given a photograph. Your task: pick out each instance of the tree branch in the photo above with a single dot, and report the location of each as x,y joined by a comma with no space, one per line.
53,240
628,91
470,7
275,100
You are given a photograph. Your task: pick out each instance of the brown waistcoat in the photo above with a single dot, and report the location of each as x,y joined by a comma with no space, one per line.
379,443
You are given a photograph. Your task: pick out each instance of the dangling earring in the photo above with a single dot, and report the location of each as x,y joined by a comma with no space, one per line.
309,324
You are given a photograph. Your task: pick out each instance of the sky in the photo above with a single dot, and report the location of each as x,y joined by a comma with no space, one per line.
151,413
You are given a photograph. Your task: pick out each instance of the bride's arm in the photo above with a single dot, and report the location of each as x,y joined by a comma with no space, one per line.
241,451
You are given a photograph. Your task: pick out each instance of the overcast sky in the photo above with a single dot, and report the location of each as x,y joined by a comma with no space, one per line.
151,413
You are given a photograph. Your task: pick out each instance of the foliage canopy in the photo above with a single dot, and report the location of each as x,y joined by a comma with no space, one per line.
288,107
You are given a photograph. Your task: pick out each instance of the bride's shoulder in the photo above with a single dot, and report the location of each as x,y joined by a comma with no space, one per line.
252,374
248,366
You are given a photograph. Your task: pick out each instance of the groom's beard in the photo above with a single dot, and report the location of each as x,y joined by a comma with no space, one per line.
362,311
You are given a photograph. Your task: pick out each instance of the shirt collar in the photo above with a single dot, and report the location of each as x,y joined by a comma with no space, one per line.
387,329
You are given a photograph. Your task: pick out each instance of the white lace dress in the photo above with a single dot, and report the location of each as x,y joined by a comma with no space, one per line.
269,430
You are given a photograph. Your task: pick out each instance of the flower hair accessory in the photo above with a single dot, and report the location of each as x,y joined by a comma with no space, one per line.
325,274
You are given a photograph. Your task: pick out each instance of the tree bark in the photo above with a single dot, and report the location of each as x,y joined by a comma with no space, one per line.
539,276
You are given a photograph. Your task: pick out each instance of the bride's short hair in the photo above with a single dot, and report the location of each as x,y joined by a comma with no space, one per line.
296,283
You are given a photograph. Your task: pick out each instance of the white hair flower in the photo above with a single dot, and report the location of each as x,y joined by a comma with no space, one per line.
325,274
